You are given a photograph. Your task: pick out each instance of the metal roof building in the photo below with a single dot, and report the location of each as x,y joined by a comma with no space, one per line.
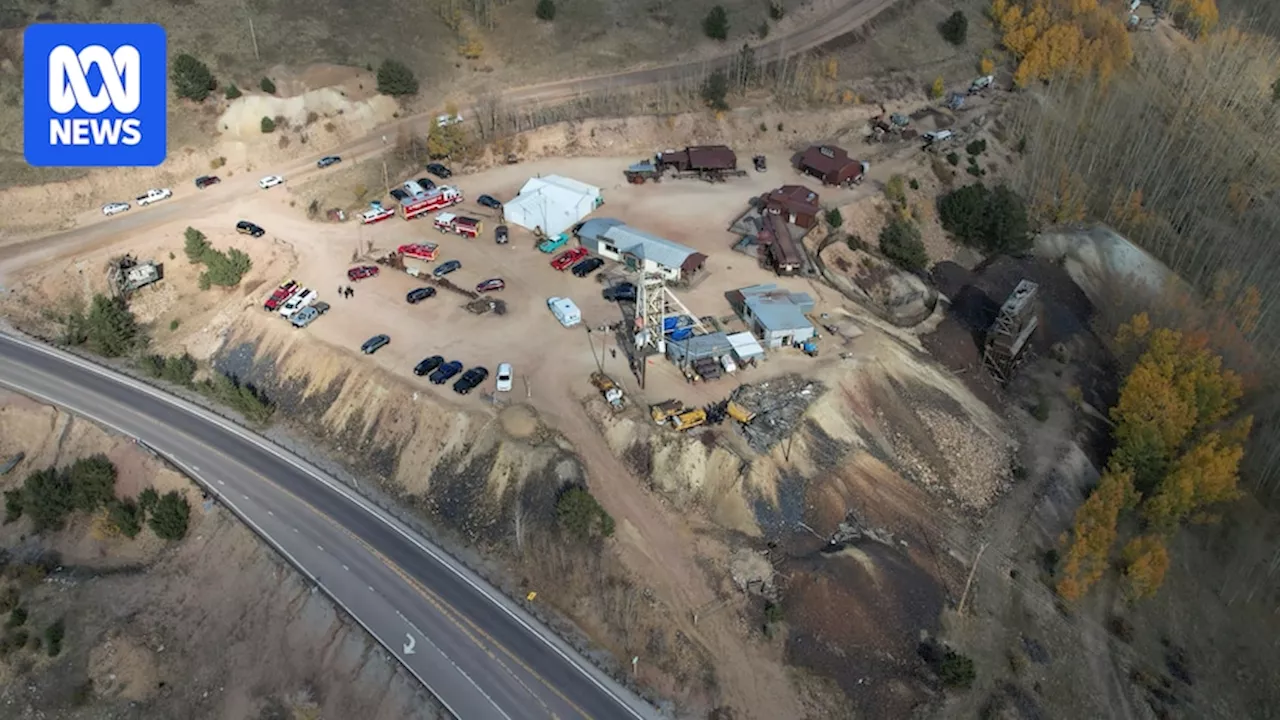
698,347
553,203
614,239
776,315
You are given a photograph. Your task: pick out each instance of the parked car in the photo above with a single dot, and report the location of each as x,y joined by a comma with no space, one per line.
489,201
501,235
621,292
470,380
586,267
447,267
321,307
270,181
417,295
306,315
491,285
114,208
205,181
502,383
427,184
154,195
566,259
361,272
303,298
399,195
444,372
413,188
439,170
375,343
428,365
244,227
328,160
760,163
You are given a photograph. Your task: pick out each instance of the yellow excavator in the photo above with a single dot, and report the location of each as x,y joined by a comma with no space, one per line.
689,419
739,413
664,411
609,389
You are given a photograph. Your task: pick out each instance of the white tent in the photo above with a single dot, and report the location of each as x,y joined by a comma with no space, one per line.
552,203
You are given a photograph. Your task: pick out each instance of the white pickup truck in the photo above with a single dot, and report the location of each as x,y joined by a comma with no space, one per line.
154,195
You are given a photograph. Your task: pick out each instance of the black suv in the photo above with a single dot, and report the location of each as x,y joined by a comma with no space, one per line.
489,201
328,160
470,380
417,295
445,371
244,227
205,181
428,365
586,267
427,184
501,235
620,292
375,343
439,170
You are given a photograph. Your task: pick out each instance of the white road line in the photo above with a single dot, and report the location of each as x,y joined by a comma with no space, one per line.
344,567
295,529
246,497
272,514
284,456
221,483
454,664
321,547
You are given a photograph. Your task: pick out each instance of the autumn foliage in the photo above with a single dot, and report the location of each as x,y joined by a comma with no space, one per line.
1173,460
1052,38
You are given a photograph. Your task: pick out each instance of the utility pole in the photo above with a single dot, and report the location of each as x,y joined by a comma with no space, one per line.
386,180
965,595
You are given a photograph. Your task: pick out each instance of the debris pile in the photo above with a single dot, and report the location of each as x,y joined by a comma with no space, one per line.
752,573
484,304
976,467
852,530
778,405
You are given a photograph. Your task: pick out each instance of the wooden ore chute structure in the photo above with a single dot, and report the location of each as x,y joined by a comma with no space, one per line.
1006,340
127,274
713,163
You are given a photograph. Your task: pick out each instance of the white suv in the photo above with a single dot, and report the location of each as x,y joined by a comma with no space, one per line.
270,181
502,383
114,208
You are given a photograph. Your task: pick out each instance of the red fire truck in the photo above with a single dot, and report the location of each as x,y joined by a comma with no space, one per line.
465,226
419,205
421,251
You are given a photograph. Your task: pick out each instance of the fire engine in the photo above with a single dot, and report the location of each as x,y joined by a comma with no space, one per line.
465,226
421,251
419,205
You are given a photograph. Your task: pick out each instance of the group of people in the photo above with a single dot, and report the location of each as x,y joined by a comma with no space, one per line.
345,292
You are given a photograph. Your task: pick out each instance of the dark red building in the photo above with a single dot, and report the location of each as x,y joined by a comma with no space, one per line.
832,165
796,204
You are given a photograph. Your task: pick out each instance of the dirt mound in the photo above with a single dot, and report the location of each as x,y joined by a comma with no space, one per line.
242,120
519,421
123,667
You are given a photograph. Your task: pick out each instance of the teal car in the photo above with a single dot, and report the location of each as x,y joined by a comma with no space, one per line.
553,244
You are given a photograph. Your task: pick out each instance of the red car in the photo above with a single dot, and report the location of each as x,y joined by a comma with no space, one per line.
362,272
280,295
566,259
490,285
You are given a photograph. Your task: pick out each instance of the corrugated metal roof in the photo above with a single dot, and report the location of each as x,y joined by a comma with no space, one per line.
700,346
746,345
777,309
559,181
595,228
647,246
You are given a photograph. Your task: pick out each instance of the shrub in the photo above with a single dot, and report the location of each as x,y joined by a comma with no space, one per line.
93,482
244,399
395,78
938,88
17,617
173,324
953,158
952,668
267,86
546,10
976,148
171,516
776,10
125,517
716,24
46,498
1041,409
914,184
222,269
12,505
895,190
232,92
191,78
147,500
992,220
715,89
109,329
900,242
955,28
772,612
268,125
834,218
195,245
580,514
53,636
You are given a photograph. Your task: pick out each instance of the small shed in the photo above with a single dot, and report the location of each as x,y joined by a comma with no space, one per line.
611,238
796,204
776,315
832,165
746,347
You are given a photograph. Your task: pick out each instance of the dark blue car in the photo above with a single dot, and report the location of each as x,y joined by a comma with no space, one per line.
445,371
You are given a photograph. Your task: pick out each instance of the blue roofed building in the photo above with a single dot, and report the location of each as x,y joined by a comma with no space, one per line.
777,316
640,251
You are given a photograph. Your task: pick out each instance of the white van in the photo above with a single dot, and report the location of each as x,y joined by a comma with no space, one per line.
937,136
565,311
298,301
413,188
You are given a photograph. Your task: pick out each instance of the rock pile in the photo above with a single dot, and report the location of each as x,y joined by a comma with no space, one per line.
779,406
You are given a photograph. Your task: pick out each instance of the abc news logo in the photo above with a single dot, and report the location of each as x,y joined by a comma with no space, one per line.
94,95
69,89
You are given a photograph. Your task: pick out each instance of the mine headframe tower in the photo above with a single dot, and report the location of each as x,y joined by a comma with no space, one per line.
1006,341
654,304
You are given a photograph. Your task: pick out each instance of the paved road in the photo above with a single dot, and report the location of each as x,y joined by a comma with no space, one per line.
846,18
466,643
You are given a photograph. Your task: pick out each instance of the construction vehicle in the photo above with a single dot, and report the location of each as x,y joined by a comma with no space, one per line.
664,411
609,389
739,413
689,419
